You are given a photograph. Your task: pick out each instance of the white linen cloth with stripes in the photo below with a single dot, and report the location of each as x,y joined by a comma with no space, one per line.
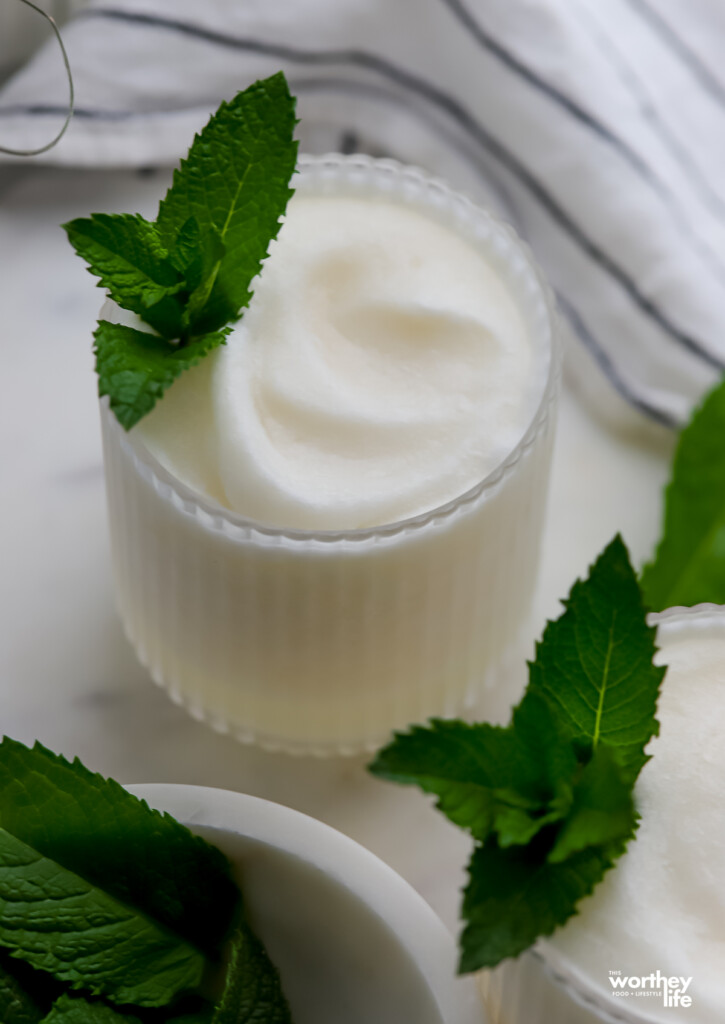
597,127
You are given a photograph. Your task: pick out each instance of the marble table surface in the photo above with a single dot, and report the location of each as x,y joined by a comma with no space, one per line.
68,676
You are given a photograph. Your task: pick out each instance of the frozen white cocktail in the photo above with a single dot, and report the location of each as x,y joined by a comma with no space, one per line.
330,527
649,944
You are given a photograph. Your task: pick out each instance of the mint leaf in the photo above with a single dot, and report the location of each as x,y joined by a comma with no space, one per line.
73,1008
125,252
689,565
76,1009
70,1009
514,896
553,764
235,180
92,896
188,275
186,255
252,991
60,923
470,768
594,663
602,808
549,798
486,777
198,256
94,828
135,368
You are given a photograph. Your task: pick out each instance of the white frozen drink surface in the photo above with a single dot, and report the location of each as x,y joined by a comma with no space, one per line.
662,908
381,370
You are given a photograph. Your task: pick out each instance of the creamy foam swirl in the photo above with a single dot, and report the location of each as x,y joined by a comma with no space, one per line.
381,370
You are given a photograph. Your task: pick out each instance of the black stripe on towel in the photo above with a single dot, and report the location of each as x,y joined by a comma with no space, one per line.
593,346
631,79
609,368
460,114
687,55
579,113
488,42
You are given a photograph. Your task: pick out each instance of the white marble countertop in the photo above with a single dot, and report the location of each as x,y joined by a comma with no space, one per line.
68,676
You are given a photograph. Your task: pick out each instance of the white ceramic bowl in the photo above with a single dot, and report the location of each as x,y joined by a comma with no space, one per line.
354,942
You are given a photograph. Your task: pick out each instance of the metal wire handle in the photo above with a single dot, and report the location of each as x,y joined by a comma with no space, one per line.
71,91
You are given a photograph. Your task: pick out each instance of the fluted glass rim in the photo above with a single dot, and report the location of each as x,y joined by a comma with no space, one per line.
679,616
557,965
354,170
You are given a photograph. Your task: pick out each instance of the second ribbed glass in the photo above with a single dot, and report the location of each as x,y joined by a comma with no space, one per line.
550,985
325,642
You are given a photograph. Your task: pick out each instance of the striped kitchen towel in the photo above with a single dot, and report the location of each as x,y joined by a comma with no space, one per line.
597,127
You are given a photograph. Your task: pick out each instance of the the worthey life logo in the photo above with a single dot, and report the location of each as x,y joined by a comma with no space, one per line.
671,989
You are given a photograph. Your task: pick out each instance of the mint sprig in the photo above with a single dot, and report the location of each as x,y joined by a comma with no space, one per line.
108,908
689,564
188,274
75,1009
235,182
548,799
60,923
515,896
488,779
135,368
125,252
93,827
594,663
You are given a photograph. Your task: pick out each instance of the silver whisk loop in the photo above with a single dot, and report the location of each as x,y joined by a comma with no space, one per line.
71,91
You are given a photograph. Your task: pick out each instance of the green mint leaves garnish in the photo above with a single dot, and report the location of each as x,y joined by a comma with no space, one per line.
689,565
59,923
73,1009
108,908
188,274
594,663
547,799
125,252
135,368
253,991
235,185
86,823
515,896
